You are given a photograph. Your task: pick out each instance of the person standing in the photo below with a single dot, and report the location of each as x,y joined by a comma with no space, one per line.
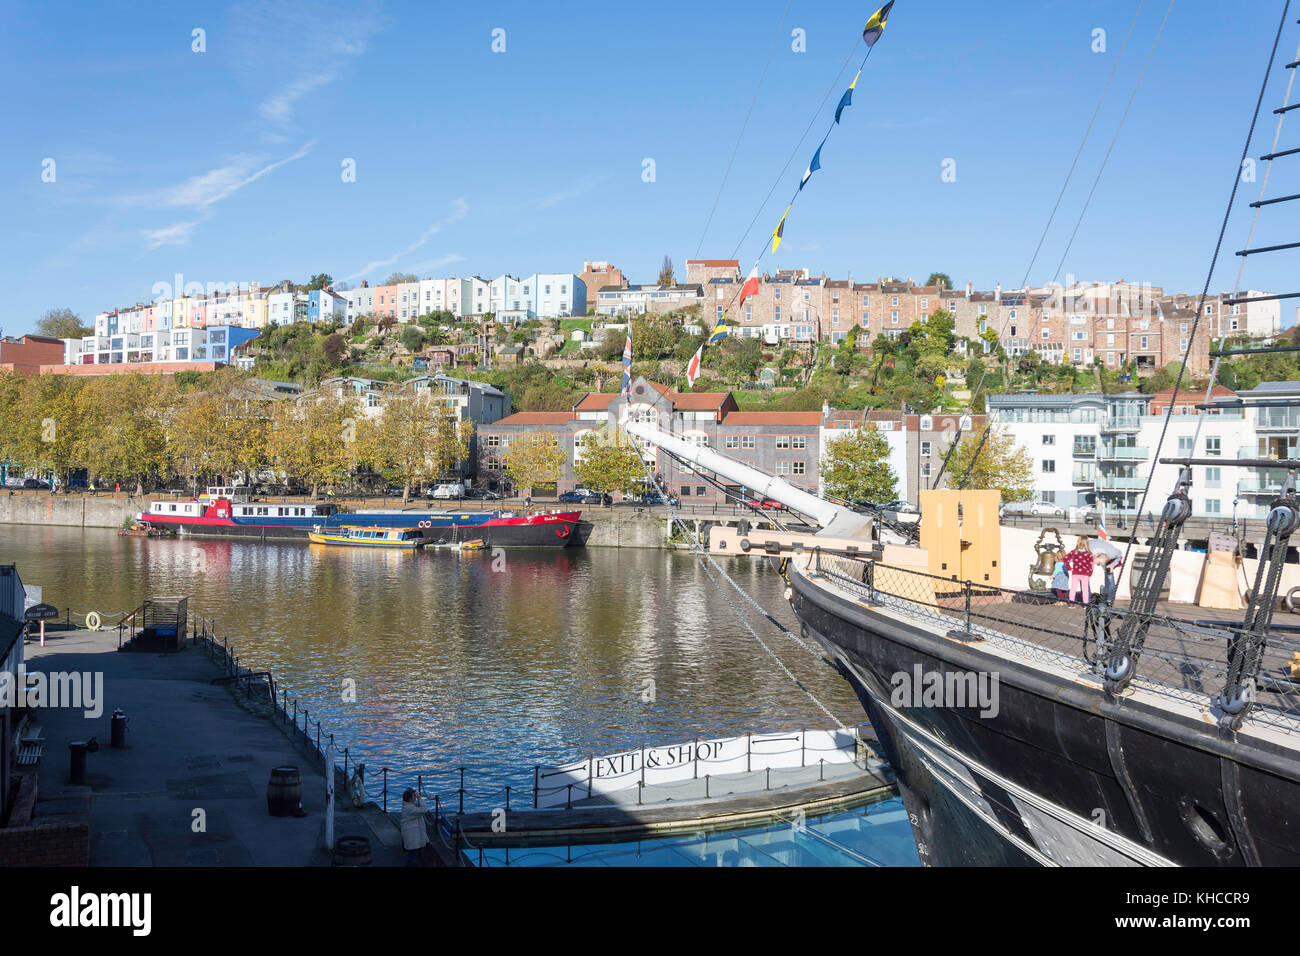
1080,563
1060,577
415,834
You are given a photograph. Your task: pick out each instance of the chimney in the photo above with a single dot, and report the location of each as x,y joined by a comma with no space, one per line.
968,288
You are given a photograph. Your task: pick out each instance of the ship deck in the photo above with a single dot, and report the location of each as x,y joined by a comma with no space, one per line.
1185,653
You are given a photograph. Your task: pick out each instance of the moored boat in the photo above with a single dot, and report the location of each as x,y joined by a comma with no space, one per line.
225,512
408,539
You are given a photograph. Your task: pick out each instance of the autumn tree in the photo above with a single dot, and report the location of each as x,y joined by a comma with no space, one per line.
415,440
123,433
856,467
314,439
534,459
608,463
219,430
47,426
1000,463
666,272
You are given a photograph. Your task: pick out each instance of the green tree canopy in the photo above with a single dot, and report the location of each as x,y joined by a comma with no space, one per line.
1000,464
62,324
856,467
608,464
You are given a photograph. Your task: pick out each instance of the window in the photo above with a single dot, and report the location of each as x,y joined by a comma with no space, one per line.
1212,506
783,467
782,441
1185,444
894,301
733,441
1049,466
798,441
925,449
797,468
1212,477
747,441
1049,439
1213,446
893,317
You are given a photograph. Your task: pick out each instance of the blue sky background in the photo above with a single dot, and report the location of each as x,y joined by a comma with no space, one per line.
225,165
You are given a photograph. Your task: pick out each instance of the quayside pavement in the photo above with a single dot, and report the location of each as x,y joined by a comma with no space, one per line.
190,787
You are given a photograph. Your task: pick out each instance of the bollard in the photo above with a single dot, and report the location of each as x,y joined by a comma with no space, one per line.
118,735
77,751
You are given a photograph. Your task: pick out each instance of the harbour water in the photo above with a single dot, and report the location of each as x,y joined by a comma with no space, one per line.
495,663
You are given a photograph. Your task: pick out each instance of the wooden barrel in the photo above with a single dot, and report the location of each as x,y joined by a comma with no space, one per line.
352,851
284,791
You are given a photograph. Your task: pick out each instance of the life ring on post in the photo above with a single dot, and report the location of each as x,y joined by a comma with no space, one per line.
93,621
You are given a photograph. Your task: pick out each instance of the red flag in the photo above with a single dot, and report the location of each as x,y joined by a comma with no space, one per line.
749,288
693,367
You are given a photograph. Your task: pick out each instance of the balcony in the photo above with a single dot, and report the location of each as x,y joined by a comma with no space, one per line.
1122,453
1254,486
1085,451
1084,476
1113,483
1285,421
1111,425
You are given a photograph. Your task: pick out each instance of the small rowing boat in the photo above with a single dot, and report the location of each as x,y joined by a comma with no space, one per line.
356,536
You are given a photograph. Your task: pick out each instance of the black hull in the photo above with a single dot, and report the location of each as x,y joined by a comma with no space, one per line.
1058,775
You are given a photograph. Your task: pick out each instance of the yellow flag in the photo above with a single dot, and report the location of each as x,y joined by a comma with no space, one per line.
779,232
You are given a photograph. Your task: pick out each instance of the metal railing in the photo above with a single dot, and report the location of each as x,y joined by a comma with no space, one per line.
1184,659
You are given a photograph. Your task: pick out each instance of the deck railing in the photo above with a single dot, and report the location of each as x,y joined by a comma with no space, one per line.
1184,658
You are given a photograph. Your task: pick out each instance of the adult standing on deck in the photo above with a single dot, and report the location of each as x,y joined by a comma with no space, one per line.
1080,563
415,834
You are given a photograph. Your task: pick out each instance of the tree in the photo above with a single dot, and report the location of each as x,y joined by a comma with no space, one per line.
336,348
1001,464
856,467
397,277
941,279
607,464
412,338
534,459
219,430
124,434
62,324
415,440
320,280
666,272
313,439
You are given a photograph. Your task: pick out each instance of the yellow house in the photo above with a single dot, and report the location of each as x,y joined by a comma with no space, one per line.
182,315
255,315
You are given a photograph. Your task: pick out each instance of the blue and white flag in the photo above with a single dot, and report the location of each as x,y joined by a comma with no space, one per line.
815,165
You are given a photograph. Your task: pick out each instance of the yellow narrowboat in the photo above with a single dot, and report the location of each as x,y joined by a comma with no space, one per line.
357,536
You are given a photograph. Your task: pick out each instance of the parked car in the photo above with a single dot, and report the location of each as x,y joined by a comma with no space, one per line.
654,498
35,484
901,512
447,490
483,494
582,496
1035,508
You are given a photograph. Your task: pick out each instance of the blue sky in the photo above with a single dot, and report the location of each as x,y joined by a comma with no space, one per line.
226,165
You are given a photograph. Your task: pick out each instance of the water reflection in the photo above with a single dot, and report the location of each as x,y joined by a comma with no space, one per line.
459,660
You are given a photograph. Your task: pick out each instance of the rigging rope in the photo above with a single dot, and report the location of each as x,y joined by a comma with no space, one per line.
1114,139
743,126
1205,290
698,547
961,482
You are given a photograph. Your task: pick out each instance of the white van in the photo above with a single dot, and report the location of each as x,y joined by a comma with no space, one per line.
449,489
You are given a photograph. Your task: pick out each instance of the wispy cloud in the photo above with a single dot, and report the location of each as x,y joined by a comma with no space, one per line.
295,47
432,265
177,234
216,184
459,209
585,185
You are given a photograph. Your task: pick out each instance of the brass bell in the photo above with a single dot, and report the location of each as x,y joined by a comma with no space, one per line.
1046,562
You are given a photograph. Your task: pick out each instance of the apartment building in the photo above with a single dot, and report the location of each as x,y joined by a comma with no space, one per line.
781,443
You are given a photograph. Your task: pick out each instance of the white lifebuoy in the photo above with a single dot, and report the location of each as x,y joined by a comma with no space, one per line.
93,621
1293,600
